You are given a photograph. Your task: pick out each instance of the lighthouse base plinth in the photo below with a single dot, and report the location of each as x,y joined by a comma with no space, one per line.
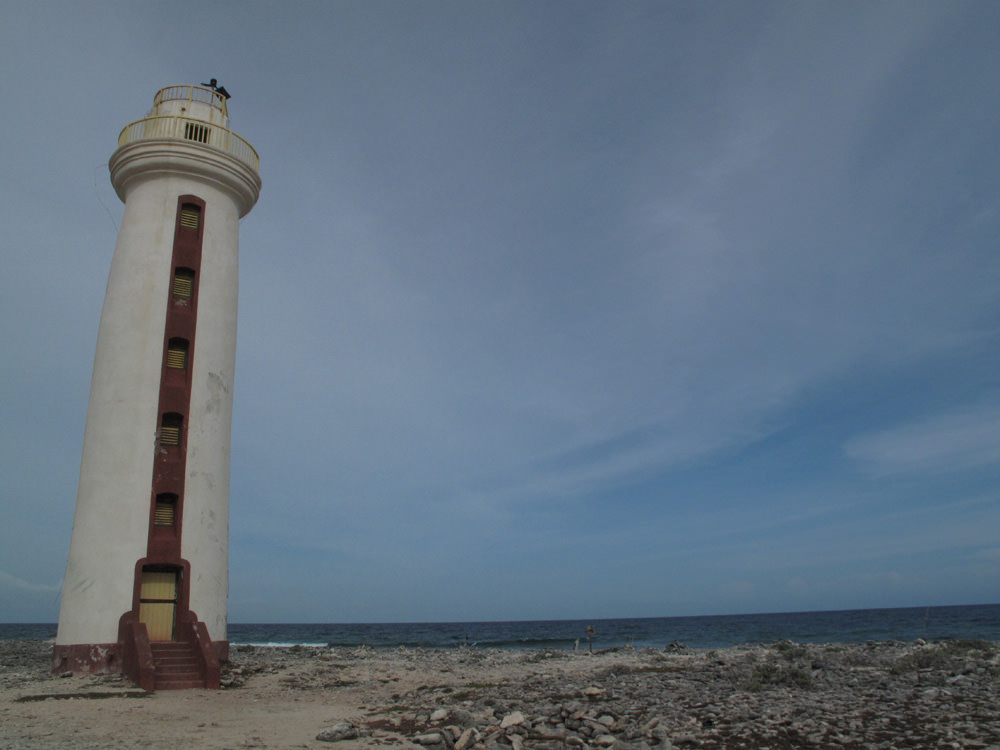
86,658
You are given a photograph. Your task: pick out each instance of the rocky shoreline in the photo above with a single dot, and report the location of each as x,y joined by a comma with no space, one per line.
875,696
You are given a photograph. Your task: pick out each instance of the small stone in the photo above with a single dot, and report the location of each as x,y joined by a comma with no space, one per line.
605,740
431,738
661,733
468,737
512,719
342,730
440,715
461,717
594,692
545,732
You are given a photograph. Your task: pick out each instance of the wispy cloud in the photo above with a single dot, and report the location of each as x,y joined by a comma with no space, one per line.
988,554
961,439
13,582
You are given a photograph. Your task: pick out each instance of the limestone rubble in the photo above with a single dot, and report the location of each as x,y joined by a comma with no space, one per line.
877,696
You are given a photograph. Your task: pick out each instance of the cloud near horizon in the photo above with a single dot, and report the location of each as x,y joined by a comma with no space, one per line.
10,581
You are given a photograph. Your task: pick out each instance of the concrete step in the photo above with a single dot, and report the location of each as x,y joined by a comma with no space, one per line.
179,684
177,666
174,669
175,658
169,646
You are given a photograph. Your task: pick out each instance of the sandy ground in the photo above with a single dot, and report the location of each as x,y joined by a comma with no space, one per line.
266,710
278,698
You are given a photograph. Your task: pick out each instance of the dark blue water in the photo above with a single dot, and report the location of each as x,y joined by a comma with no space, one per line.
846,626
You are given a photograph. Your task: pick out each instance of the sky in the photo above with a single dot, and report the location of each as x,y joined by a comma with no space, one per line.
547,309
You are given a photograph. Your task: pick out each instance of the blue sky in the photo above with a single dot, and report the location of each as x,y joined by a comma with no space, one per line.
548,310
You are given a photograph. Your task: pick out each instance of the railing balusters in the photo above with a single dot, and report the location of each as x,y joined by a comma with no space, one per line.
165,126
192,93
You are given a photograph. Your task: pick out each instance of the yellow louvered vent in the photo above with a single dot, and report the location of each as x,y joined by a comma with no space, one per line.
170,429
164,512
189,218
177,355
170,435
183,283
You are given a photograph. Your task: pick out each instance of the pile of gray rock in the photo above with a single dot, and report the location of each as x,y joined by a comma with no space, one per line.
877,696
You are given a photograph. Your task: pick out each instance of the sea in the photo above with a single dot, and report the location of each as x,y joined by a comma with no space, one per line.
979,622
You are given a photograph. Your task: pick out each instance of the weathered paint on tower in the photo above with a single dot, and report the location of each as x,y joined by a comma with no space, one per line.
148,559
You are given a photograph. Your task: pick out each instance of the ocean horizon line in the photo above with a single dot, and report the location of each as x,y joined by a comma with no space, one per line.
934,622
762,613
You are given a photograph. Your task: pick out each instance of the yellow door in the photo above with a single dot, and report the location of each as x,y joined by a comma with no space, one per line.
158,603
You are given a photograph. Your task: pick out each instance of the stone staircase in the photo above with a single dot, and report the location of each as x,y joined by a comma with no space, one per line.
177,665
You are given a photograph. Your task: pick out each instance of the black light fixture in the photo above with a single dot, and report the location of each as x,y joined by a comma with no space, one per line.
214,85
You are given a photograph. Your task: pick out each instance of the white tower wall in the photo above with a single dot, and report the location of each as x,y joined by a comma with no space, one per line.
112,506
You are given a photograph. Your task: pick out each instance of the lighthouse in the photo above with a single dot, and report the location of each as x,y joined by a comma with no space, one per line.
147,577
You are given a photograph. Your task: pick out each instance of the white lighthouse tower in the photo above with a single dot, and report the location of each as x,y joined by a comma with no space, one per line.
147,578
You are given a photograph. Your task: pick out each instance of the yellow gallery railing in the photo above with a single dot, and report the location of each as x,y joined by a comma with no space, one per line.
189,129
209,96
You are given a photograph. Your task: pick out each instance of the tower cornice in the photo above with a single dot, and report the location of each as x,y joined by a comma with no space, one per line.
151,157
